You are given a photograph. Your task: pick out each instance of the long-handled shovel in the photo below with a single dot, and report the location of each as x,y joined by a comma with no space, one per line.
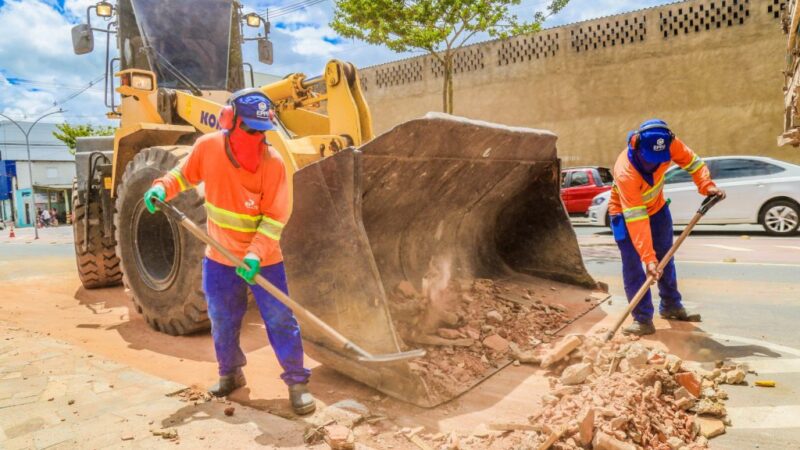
651,280
347,345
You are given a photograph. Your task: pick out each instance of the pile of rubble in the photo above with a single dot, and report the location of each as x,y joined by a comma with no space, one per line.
624,395
620,395
471,327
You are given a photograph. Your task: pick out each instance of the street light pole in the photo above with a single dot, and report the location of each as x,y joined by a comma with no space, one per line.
30,161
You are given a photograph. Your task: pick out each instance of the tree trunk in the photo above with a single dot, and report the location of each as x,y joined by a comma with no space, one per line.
447,87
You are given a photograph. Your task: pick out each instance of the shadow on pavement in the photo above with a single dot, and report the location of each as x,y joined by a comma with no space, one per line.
132,327
690,342
275,432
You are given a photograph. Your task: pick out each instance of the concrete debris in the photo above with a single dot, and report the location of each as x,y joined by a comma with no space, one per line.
586,427
603,441
339,437
682,393
525,357
735,376
673,364
675,443
636,355
560,350
346,412
512,426
711,407
645,407
710,427
496,343
166,433
494,317
449,333
468,328
229,411
576,374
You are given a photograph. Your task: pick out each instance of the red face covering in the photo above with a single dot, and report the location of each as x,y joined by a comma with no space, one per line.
247,148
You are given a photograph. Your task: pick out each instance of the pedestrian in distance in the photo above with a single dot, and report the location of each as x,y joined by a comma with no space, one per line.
247,205
641,220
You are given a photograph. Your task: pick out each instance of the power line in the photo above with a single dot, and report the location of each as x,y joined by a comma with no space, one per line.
291,8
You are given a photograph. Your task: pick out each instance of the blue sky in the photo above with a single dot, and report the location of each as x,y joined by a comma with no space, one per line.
38,67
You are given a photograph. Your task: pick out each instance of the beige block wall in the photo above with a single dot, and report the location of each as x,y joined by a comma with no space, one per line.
720,89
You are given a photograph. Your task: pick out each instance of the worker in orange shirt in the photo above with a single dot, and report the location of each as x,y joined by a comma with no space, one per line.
247,204
641,221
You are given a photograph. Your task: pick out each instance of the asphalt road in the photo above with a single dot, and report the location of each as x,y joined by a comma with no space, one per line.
750,309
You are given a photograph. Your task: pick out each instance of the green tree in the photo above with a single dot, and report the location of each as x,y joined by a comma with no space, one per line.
438,27
69,133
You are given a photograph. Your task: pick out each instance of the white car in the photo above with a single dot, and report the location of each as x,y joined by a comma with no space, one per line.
760,190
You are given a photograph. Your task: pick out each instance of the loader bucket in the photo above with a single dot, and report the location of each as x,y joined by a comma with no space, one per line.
432,201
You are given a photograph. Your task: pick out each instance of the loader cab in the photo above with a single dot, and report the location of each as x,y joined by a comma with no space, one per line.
191,45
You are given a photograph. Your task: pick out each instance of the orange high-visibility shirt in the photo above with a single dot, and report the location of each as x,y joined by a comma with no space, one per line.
246,211
637,200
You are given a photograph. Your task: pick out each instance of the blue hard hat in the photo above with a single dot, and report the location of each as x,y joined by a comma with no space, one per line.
653,140
253,108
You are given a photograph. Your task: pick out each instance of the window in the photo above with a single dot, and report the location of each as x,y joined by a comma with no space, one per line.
579,178
677,175
740,168
564,176
605,176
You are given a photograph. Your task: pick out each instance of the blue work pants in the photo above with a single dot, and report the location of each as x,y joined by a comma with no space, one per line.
633,272
226,295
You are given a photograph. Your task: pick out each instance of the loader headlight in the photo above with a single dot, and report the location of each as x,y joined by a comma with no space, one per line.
142,82
252,20
599,200
104,9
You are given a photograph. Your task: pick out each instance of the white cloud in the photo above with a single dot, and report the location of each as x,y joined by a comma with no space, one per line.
36,45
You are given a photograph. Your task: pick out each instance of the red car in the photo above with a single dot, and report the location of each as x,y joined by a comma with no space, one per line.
579,185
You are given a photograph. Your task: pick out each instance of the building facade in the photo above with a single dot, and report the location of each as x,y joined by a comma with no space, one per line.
52,167
711,68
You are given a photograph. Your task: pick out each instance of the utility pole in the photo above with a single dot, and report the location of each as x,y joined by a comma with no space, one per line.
30,162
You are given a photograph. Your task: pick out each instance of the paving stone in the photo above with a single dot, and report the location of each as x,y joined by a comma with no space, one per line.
51,436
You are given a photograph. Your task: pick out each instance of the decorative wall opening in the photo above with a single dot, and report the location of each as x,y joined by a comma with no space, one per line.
396,74
465,60
527,48
776,7
611,33
682,19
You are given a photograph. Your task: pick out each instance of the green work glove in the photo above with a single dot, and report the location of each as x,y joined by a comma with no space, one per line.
156,191
253,264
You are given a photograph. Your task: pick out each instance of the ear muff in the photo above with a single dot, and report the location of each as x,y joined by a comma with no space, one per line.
227,117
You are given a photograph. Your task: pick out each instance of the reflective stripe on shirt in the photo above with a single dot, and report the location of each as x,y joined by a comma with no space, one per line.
182,182
270,228
653,193
231,220
635,214
694,166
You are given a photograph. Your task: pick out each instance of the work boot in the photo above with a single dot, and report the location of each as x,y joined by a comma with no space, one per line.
227,384
302,400
640,328
680,314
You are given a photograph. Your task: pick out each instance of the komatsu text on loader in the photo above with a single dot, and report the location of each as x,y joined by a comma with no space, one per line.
465,198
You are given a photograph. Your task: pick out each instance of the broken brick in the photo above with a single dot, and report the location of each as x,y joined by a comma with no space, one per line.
496,343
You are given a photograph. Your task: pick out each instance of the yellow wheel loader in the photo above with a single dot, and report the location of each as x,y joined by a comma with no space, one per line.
434,197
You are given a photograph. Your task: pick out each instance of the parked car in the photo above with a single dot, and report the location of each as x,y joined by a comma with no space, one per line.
579,185
760,190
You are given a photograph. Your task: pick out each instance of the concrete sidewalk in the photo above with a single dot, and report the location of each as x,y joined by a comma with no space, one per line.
61,234
56,396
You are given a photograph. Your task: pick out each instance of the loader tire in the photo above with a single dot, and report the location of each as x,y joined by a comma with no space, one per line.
95,255
161,261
